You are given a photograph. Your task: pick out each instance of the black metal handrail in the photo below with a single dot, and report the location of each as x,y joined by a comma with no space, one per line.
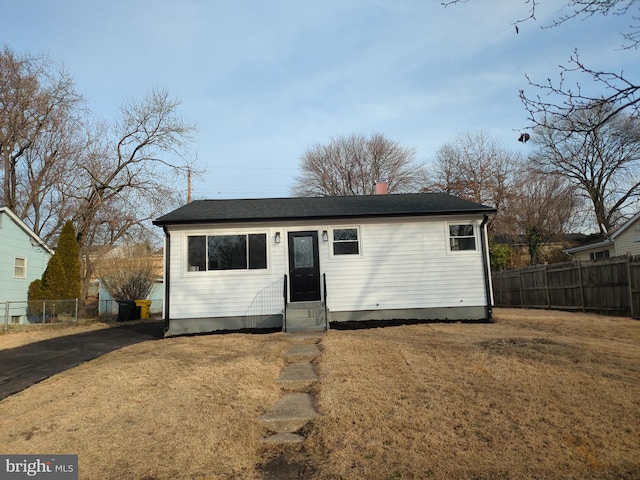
284,309
326,315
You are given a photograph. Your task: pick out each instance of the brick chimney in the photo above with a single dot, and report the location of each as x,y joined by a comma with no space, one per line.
381,187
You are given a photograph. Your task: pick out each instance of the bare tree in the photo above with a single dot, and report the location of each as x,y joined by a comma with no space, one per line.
564,97
351,166
126,176
545,201
129,272
579,10
558,100
58,163
477,167
603,163
38,110
544,207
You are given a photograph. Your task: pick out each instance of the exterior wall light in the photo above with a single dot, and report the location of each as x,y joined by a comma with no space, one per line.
325,236
277,237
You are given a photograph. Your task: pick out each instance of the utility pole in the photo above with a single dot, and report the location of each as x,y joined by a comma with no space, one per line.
188,185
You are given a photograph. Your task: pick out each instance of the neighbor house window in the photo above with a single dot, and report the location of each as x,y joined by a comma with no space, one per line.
227,252
462,237
345,241
20,267
599,255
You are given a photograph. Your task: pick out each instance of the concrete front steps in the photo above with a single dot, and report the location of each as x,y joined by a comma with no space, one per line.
305,317
295,409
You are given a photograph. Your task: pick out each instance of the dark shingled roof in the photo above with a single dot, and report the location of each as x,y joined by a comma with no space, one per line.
321,208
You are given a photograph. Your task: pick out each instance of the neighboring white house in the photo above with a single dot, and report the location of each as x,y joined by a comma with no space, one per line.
233,264
23,259
624,241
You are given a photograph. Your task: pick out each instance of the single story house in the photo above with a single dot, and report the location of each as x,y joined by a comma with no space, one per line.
257,263
23,259
624,241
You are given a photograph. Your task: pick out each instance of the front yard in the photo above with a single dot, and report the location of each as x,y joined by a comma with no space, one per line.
538,394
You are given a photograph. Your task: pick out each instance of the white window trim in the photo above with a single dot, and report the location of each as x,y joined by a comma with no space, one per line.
475,236
24,267
357,228
247,271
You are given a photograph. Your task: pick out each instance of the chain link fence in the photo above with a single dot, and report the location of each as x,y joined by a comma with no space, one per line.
39,311
62,311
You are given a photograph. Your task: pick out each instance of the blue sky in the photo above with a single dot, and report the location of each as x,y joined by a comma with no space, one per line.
263,81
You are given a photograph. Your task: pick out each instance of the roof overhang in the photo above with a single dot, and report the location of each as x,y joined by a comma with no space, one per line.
593,246
159,222
278,210
23,226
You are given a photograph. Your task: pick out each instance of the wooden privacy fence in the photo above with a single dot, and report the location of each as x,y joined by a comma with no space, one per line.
610,286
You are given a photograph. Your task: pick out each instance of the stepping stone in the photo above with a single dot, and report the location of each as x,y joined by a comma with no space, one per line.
290,414
301,353
298,375
304,337
284,438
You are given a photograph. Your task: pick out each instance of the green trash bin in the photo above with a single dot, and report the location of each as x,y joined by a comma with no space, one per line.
145,306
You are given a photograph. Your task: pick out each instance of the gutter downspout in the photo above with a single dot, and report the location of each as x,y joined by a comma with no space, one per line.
167,276
485,268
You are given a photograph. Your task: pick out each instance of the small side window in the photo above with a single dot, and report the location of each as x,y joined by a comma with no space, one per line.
345,241
601,255
462,237
20,267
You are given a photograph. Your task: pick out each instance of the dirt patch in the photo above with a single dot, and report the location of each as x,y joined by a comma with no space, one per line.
286,463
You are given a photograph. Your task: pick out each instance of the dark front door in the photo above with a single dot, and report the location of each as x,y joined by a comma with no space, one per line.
304,267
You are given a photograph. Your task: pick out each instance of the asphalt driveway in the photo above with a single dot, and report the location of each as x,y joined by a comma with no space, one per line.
24,366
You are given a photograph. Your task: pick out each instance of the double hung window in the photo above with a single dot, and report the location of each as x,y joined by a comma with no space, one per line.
346,241
20,267
462,237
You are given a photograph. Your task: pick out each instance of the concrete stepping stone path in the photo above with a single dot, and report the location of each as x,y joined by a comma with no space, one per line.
295,409
290,414
301,353
297,376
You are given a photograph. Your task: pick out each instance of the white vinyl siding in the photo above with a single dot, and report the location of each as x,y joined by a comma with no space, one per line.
221,293
402,264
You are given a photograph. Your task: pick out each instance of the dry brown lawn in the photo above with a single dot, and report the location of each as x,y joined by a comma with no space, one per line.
538,394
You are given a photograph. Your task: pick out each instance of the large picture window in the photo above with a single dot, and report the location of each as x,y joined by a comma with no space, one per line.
345,241
227,252
462,237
